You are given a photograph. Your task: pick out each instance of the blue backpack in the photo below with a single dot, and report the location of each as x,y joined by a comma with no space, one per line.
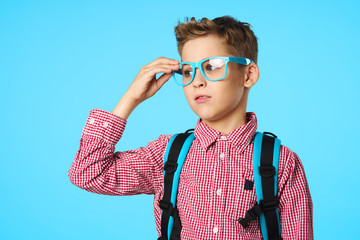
265,164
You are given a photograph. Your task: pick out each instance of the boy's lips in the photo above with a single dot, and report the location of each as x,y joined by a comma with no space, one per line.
201,96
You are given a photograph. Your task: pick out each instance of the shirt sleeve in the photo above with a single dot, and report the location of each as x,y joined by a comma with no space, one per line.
295,203
99,169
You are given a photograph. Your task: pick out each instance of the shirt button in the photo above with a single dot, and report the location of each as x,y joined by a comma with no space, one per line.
105,124
218,192
215,229
222,155
91,120
223,137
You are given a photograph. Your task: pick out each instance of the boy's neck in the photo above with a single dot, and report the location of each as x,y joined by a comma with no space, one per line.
229,123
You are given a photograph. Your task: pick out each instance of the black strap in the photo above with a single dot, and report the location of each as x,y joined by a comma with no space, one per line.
267,172
176,230
165,204
269,203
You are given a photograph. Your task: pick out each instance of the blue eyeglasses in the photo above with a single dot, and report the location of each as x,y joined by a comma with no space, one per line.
213,69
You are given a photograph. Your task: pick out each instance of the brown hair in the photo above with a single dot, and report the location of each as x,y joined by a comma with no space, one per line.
240,39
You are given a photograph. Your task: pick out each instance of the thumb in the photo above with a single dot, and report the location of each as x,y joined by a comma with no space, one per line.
163,79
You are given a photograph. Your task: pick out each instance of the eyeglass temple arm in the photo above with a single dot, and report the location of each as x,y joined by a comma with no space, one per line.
241,60
178,71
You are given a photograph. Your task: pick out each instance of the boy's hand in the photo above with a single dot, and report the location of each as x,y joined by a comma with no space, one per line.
145,85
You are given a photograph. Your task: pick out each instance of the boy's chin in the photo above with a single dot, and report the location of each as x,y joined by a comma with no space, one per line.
206,113
207,118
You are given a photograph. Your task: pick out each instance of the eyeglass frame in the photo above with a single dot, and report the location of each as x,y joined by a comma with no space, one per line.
194,65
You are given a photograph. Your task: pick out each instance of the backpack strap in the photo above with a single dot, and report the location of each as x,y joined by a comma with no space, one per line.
175,155
265,166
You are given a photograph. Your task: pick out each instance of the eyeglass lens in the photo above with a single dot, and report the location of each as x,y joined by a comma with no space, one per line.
214,69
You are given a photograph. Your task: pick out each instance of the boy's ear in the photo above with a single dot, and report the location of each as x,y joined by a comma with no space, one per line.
251,75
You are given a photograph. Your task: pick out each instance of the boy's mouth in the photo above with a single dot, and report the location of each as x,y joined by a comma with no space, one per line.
201,98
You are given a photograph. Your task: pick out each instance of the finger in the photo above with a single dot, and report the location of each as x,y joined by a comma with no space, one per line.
165,66
163,60
160,67
155,70
163,79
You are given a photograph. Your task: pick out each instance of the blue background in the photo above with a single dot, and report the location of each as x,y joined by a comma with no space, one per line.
60,59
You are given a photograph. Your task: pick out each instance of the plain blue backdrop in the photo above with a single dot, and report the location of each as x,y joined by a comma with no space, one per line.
60,59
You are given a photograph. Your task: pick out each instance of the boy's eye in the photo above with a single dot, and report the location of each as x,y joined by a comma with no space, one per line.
210,67
187,73
186,70
213,64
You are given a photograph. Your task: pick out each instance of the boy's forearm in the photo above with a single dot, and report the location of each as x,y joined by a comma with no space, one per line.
125,107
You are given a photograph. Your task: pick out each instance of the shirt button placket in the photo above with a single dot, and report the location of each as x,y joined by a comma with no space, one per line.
218,200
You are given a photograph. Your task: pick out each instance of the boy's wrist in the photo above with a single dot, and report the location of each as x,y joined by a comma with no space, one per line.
125,106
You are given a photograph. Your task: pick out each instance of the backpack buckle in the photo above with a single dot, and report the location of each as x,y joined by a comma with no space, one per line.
268,205
251,215
168,207
165,205
267,171
170,167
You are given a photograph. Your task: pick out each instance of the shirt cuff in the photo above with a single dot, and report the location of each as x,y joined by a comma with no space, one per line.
105,125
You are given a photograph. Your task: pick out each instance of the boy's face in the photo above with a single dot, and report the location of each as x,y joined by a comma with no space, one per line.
228,97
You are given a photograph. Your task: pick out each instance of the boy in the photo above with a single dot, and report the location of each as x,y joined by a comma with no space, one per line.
211,196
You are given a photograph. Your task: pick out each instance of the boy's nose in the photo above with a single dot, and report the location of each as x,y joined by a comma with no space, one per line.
199,79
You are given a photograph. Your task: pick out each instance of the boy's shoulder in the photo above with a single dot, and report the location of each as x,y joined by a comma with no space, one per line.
288,161
287,152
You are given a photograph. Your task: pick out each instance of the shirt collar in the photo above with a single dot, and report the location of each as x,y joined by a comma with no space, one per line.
239,137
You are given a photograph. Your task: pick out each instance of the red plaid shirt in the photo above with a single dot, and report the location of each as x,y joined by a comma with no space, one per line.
211,195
